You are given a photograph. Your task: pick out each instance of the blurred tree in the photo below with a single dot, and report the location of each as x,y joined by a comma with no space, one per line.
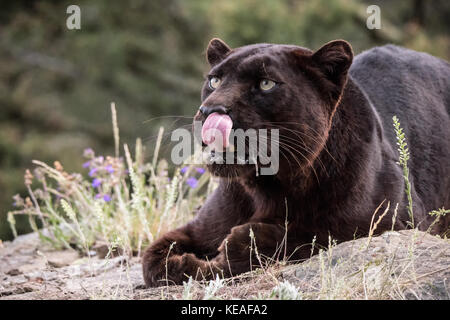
56,84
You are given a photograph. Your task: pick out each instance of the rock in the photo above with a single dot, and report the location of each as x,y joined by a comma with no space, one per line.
13,272
102,250
396,265
58,259
38,263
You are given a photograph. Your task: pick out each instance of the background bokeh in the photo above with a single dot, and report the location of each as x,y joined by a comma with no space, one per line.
56,84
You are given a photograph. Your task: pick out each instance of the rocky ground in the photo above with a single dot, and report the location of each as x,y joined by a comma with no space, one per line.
396,265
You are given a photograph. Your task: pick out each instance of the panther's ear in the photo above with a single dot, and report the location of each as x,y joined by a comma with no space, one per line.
216,51
334,60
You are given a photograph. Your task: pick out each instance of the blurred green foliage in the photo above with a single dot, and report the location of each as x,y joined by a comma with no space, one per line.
148,57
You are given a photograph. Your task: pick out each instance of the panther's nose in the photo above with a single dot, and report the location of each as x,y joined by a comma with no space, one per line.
206,111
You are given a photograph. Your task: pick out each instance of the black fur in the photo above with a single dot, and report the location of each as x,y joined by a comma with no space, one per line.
341,163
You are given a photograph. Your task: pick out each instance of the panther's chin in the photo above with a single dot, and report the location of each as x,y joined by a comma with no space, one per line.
228,164
229,170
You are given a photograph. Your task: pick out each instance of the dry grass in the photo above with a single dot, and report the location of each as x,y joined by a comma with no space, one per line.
127,203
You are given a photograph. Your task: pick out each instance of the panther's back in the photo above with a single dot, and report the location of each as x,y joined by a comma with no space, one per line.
415,87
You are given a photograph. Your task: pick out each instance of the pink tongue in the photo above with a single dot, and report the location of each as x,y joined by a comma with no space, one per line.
216,131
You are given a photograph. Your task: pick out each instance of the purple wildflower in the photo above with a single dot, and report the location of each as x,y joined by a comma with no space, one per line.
98,196
184,169
107,197
87,164
109,168
192,182
92,172
200,170
96,183
88,153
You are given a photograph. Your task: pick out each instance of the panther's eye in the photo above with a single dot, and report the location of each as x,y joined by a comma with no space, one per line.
266,85
214,83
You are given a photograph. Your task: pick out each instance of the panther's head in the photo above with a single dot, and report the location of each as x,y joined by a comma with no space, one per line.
270,86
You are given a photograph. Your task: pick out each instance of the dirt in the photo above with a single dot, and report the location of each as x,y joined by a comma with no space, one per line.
396,265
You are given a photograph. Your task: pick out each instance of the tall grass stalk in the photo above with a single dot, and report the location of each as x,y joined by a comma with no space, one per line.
115,129
403,162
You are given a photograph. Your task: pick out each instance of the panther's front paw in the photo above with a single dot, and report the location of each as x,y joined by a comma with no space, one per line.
245,241
175,269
